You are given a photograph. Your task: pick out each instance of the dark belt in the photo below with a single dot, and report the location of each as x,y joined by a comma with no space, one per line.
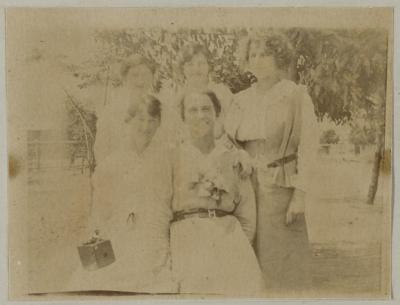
279,162
200,212
282,161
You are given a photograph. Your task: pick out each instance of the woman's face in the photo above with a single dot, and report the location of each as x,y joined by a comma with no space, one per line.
144,125
197,67
139,77
199,115
261,65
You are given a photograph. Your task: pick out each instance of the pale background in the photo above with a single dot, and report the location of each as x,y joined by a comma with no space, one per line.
275,22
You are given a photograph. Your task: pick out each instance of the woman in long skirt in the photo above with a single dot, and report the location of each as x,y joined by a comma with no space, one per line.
274,121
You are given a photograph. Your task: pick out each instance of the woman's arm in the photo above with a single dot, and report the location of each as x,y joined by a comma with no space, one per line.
246,210
308,145
232,119
307,153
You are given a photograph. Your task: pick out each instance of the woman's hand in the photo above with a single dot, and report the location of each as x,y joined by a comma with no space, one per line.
244,164
296,207
242,161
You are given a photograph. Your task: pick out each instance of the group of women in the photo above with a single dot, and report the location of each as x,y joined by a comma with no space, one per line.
201,191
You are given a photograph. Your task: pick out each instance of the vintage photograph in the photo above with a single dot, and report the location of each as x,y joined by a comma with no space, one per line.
199,152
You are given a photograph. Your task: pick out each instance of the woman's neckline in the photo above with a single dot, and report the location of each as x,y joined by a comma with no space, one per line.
256,88
278,87
215,149
145,151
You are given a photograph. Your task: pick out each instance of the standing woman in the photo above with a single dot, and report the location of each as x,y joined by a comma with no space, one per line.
274,122
195,66
137,74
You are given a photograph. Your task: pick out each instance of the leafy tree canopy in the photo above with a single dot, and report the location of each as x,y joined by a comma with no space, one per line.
341,68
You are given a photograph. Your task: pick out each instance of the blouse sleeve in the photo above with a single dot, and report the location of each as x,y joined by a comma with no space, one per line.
308,144
232,119
224,95
246,210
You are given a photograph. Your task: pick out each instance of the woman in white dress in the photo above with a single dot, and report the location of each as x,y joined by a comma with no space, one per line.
214,215
131,208
274,121
137,74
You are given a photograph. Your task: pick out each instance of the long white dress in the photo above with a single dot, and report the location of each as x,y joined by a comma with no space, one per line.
214,255
127,183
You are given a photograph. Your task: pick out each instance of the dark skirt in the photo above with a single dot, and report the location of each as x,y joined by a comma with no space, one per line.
283,251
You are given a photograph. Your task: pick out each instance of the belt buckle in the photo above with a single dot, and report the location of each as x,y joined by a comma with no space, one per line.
211,213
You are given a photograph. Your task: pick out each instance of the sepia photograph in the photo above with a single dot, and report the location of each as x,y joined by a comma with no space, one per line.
199,153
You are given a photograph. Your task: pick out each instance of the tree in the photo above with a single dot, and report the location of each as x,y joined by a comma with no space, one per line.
329,137
345,72
360,136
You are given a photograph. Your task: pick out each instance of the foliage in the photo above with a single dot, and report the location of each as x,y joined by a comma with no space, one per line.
162,48
329,137
369,124
361,135
341,68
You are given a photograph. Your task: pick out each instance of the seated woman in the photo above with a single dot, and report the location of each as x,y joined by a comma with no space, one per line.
132,209
214,215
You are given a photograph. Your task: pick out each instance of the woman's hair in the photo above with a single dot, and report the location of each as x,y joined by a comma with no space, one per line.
274,44
134,61
191,51
147,103
213,98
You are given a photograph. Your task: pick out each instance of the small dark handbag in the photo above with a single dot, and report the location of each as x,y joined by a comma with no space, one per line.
96,253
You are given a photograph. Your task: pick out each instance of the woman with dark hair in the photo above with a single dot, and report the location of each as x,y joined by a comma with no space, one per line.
274,122
195,67
214,214
131,208
137,75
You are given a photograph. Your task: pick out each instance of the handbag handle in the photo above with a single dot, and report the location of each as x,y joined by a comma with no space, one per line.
95,238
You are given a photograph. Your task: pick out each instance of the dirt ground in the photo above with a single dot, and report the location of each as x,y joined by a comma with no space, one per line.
345,232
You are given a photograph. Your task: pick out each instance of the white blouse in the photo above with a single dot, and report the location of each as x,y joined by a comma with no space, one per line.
263,117
192,167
